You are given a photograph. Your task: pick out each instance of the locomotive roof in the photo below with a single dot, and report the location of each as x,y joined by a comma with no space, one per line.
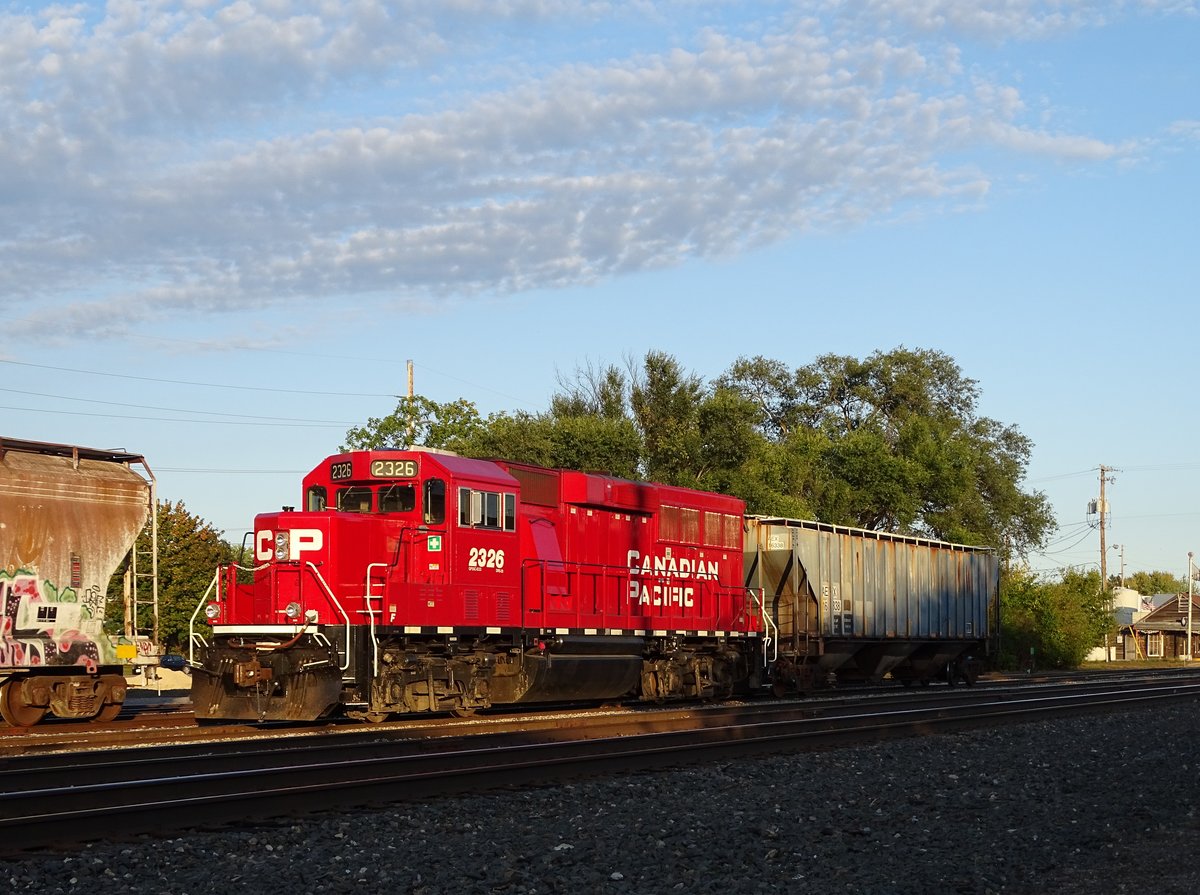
468,467
455,464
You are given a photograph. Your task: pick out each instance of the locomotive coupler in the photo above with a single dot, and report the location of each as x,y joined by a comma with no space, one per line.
247,674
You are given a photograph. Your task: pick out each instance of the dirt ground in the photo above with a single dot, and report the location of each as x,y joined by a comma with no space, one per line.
153,680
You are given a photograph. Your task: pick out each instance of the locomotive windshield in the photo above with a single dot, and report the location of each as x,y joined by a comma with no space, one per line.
372,496
354,500
397,498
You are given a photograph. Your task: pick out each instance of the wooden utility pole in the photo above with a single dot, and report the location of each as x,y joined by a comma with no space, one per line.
410,404
1102,508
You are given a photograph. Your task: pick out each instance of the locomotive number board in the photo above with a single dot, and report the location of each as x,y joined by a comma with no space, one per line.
380,469
394,469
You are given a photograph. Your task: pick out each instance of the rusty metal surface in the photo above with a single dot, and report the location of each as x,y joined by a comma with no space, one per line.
68,516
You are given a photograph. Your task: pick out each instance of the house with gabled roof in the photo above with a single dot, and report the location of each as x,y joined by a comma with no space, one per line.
1160,629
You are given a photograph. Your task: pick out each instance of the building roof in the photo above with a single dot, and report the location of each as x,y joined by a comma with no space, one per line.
1170,615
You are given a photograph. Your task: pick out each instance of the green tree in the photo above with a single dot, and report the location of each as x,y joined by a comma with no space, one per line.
665,400
1156,583
189,551
417,420
1059,620
894,442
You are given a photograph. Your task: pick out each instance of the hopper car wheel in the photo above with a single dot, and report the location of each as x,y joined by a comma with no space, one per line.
375,717
108,712
462,713
951,674
15,710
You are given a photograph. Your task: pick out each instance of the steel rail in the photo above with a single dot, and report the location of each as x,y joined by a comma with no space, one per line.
155,795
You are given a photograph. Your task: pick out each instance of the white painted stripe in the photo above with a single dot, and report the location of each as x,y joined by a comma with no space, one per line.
493,630
589,631
562,630
615,631
660,633
409,629
640,633
256,629
442,630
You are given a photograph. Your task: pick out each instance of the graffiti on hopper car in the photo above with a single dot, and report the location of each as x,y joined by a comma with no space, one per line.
41,624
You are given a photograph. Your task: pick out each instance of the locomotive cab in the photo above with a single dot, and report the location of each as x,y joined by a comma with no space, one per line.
416,581
305,628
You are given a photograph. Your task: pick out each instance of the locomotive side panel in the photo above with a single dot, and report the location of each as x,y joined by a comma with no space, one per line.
68,516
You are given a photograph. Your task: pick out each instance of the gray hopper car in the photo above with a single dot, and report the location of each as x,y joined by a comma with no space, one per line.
854,605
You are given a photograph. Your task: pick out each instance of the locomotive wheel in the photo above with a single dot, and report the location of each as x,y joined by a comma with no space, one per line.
15,710
375,717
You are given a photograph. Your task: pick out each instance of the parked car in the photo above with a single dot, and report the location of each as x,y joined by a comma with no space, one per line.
175,663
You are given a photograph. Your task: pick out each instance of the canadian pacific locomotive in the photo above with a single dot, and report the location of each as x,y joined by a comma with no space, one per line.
423,581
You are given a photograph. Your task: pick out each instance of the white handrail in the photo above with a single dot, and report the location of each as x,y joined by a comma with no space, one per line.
204,599
338,604
192,620
768,626
371,616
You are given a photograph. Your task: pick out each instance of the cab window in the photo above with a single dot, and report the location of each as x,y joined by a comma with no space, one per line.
487,509
435,502
315,501
397,498
354,500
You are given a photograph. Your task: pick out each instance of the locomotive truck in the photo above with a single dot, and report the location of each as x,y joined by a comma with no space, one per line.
422,581
68,516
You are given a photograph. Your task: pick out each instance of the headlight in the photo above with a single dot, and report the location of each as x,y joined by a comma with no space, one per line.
292,610
212,611
282,545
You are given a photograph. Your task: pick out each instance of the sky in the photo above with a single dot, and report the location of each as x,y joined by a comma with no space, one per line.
225,228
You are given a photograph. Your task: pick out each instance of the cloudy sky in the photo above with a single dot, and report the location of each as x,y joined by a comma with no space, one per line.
227,226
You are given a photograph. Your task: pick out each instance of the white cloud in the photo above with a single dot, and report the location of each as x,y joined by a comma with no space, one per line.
204,157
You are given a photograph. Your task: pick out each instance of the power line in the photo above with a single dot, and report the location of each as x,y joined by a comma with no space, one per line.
174,409
168,419
233,471
249,388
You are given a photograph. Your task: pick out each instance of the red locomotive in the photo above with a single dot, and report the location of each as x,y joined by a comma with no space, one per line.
419,580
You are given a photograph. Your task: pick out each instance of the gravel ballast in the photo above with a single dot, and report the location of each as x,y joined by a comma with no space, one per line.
1097,804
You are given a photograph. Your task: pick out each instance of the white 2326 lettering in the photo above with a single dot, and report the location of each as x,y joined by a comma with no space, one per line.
484,558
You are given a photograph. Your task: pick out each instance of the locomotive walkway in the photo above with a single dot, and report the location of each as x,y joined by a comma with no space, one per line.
164,788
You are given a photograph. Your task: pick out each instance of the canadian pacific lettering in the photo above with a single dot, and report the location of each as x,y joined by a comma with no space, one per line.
656,592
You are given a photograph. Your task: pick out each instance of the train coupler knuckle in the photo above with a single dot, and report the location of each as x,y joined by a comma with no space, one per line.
252,673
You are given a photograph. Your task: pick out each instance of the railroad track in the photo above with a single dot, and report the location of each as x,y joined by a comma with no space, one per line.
148,721
60,800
